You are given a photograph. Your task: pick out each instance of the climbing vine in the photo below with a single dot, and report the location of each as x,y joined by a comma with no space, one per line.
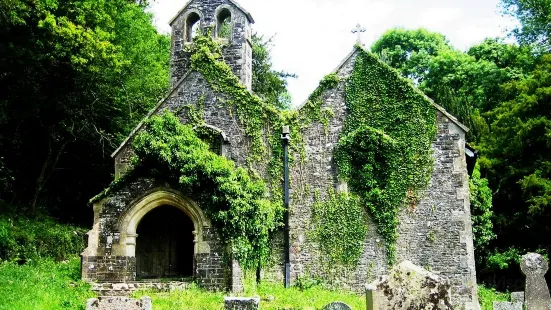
385,151
233,199
340,227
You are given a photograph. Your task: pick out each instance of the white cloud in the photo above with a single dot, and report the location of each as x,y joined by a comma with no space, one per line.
313,36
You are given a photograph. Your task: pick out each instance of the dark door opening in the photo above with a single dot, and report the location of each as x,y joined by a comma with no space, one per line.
164,247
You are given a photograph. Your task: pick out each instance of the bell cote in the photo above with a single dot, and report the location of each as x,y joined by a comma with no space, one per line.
230,25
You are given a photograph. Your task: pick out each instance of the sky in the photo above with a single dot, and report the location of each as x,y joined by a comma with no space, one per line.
311,37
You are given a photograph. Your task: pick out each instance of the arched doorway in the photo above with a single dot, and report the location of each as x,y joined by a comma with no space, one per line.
165,244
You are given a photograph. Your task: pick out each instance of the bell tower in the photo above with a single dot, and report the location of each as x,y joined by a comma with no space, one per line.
230,26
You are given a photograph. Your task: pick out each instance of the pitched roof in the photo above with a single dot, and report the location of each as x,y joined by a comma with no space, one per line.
155,109
434,104
237,5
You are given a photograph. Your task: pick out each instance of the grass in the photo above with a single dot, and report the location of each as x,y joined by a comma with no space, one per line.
43,285
486,297
293,298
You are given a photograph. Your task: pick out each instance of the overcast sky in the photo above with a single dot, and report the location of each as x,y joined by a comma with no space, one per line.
313,36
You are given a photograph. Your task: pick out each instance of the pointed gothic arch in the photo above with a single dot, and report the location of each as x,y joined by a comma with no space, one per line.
128,223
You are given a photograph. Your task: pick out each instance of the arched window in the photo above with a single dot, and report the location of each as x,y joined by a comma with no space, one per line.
216,139
224,24
193,23
212,137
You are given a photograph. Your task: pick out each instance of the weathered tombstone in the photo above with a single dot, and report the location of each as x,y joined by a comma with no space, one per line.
505,305
536,293
409,287
337,306
241,303
118,303
517,297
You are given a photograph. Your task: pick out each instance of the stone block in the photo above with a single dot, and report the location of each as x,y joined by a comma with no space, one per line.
409,287
337,306
505,305
517,297
119,303
241,303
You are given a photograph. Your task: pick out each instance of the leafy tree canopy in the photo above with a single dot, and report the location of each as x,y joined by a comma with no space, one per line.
535,22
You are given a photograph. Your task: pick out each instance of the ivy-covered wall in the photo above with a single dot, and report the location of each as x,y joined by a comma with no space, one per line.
433,222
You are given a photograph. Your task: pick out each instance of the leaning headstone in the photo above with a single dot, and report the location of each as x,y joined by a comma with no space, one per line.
118,303
337,306
517,297
505,305
409,287
536,293
241,303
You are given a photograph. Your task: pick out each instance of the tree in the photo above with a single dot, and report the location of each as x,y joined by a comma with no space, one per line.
269,84
518,160
77,75
410,51
535,22
482,214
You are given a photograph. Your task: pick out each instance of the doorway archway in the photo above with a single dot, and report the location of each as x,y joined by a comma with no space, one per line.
165,244
148,221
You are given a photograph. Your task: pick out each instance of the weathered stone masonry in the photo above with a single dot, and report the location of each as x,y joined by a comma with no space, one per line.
436,234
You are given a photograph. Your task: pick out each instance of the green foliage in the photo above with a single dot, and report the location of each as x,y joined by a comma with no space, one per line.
233,200
487,296
481,212
518,160
504,259
292,298
410,51
340,228
43,284
385,152
535,22
269,84
252,111
23,239
78,76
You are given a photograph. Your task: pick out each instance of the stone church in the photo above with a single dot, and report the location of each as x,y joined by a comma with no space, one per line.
147,229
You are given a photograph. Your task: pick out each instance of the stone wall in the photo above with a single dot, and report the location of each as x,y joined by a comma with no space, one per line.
436,234
104,260
192,95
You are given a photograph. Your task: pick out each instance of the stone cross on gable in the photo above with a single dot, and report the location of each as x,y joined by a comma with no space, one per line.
358,31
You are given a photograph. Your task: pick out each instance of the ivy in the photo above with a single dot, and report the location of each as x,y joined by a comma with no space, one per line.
385,152
340,227
233,199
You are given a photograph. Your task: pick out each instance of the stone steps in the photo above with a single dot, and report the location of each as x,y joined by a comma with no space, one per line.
126,289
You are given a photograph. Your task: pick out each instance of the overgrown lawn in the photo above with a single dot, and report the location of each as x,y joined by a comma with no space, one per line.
43,285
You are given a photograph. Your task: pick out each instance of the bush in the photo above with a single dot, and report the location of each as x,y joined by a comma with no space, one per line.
487,296
23,239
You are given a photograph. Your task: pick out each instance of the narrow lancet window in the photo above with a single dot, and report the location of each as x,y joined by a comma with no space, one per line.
224,24
193,24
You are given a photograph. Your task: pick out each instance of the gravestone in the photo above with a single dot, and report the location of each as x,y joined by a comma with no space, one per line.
517,297
505,305
536,293
241,303
409,287
337,306
119,303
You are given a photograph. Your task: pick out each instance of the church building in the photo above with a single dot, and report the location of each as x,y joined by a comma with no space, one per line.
146,228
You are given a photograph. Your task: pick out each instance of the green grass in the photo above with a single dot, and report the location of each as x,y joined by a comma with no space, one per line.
293,298
486,297
43,285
